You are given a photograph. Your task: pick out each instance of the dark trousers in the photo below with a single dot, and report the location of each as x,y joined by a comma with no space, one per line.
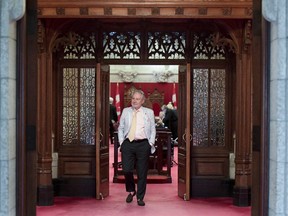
135,152
111,132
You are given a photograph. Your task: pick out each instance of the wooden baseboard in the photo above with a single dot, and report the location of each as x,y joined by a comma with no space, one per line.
81,187
45,195
211,187
242,197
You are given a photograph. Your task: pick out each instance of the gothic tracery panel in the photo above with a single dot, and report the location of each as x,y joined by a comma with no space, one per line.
166,45
79,46
205,47
121,45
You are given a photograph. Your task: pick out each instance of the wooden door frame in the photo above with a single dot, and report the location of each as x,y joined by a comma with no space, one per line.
188,131
26,112
24,164
98,128
102,131
260,121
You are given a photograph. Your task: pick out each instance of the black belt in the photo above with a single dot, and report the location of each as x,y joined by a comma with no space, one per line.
137,141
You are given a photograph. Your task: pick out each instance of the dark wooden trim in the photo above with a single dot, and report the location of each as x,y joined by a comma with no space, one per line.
20,121
80,187
26,180
208,187
265,118
242,197
260,121
45,195
31,105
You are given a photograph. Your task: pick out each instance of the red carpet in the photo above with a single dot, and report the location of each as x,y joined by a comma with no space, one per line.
161,199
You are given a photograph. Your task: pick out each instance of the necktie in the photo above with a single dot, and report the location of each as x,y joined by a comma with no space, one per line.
131,134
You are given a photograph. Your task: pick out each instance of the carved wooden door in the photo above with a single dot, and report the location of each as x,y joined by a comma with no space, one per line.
184,133
102,132
212,131
212,125
83,129
76,126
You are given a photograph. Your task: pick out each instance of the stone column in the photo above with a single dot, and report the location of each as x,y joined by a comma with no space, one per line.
11,11
275,11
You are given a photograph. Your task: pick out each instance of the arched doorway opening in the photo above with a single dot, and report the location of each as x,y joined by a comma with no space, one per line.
80,51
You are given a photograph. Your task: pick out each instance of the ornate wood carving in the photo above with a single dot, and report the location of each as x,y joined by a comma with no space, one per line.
211,9
249,11
179,11
202,11
39,12
131,11
108,11
156,97
227,11
60,11
156,11
247,35
84,11
118,44
41,37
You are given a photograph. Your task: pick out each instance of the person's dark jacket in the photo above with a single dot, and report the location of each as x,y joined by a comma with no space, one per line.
171,121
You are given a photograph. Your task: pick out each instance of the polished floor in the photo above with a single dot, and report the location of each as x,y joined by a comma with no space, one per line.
161,199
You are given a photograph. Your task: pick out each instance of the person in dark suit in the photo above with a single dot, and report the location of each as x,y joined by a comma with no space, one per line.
170,120
113,119
136,134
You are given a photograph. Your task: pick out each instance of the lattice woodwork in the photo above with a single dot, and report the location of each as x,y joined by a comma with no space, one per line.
209,92
70,106
200,107
217,106
78,109
121,45
166,45
205,48
78,46
145,45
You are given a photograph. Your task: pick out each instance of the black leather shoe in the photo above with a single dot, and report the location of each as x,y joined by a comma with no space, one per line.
130,196
140,202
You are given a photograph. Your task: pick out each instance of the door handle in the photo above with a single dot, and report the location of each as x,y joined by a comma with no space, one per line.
184,135
101,136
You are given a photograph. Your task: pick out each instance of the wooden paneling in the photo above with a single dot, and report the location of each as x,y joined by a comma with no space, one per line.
216,167
175,9
76,167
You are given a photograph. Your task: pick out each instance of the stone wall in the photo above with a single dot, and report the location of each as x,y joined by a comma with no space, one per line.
275,11
10,11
